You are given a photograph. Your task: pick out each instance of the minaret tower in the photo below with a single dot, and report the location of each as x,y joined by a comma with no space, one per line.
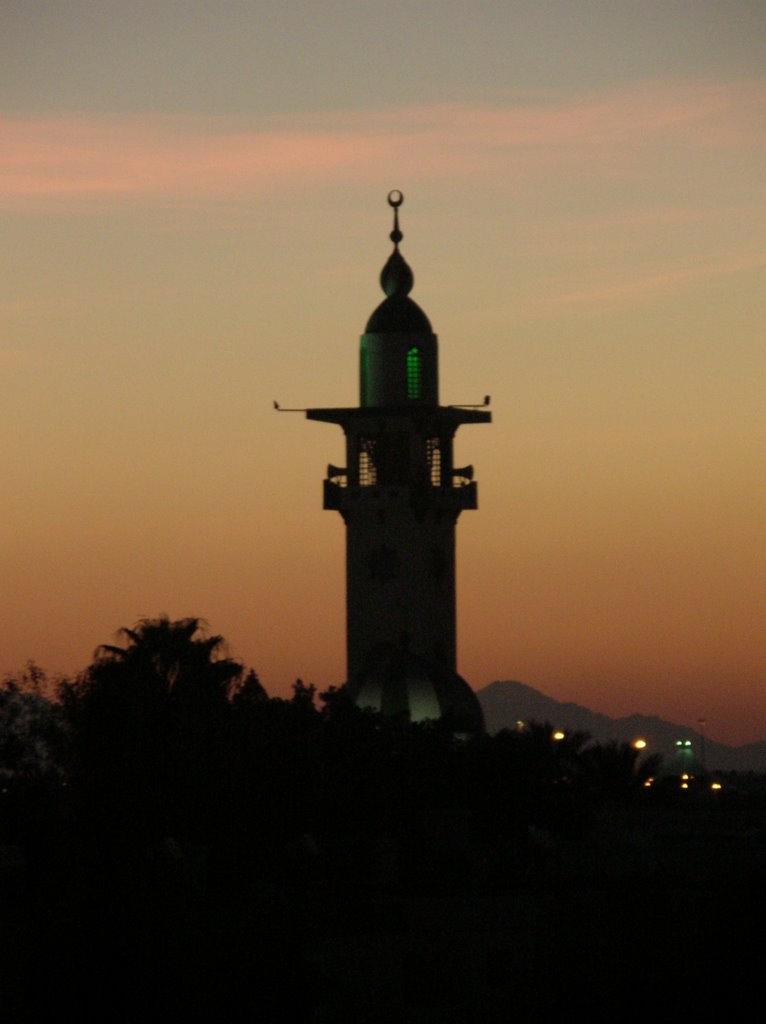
400,496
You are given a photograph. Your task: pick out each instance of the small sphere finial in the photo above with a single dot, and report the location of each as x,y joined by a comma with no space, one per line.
395,200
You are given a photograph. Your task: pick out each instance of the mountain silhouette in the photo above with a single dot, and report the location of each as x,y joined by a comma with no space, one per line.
505,704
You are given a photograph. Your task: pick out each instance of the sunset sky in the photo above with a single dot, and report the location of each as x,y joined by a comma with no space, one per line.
193,200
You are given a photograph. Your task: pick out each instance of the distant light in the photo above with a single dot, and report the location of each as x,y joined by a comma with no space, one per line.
685,776
679,743
648,783
687,743
716,785
639,744
558,735
684,785
519,724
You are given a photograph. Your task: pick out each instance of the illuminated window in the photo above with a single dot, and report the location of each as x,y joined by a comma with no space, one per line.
414,372
368,474
433,453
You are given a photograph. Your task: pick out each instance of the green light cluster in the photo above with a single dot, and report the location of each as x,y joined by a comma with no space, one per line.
414,372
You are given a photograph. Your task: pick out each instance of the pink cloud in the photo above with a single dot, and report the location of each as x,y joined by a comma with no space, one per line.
155,156
607,295
163,155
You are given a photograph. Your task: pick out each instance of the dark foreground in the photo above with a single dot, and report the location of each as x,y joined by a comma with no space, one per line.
177,846
656,911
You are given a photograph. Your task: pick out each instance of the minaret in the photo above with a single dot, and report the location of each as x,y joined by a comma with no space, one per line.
400,496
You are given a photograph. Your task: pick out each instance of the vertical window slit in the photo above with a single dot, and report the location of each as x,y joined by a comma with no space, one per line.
433,454
414,372
368,473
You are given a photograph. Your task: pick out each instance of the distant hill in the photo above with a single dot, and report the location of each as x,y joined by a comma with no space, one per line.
506,703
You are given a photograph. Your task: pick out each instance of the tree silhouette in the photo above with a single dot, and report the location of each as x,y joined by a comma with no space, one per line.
151,718
34,750
32,731
179,655
616,770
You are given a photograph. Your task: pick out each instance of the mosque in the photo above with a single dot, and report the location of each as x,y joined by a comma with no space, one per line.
400,495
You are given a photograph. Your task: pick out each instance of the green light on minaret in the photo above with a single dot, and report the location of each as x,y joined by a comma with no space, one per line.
414,372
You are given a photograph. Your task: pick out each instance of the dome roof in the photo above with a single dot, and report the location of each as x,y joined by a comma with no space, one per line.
398,314
399,683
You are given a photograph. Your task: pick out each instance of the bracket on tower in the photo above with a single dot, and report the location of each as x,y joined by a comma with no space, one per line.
279,408
469,405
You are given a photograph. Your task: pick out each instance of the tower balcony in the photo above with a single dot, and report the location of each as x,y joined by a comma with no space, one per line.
341,497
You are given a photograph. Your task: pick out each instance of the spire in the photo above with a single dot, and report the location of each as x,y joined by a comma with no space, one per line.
396,278
397,312
395,200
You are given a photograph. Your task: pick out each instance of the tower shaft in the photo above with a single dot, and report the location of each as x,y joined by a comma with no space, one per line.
400,496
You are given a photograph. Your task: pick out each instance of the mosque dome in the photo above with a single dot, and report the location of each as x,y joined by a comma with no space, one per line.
398,683
397,313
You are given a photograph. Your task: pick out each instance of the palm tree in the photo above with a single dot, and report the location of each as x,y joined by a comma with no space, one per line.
174,655
152,718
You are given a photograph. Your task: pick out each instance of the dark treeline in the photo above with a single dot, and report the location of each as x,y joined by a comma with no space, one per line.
177,842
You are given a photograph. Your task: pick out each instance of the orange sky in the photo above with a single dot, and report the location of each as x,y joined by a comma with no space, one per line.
194,214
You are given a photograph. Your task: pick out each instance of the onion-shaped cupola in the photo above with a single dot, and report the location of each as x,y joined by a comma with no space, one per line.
398,352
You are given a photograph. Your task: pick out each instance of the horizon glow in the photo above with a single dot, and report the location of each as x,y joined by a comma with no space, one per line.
195,214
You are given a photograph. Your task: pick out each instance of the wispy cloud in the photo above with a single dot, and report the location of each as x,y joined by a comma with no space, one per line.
603,296
79,158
